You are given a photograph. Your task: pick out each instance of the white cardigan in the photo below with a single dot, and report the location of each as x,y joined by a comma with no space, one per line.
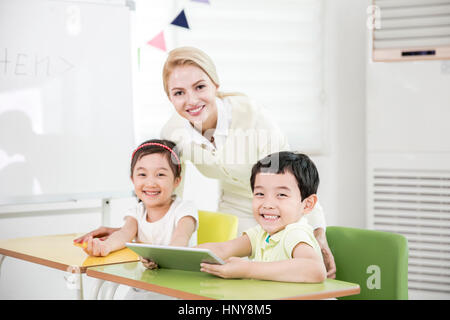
252,136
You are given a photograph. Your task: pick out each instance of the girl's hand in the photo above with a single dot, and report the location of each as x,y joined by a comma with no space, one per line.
149,264
233,268
96,247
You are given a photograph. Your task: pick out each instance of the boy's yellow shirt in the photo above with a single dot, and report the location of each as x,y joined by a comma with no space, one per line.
280,245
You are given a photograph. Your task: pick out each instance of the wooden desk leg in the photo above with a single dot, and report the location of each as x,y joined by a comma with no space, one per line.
74,281
97,286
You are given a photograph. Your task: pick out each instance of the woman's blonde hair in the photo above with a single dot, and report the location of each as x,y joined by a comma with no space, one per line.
191,56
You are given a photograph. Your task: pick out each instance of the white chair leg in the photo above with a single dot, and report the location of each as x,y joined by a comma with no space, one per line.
111,290
79,291
2,258
96,290
108,290
103,289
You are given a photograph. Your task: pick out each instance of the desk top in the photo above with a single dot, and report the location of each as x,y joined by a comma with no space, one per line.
199,285
59,252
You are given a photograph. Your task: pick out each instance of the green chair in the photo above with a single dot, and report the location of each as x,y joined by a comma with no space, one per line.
216,227
377,261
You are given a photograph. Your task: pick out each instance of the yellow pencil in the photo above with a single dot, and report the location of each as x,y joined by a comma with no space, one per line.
81,245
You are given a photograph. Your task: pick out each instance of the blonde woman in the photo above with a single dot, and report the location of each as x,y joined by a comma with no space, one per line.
223,135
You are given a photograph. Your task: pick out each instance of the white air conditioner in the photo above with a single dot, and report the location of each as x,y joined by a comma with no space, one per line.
410,194
408,136
405,30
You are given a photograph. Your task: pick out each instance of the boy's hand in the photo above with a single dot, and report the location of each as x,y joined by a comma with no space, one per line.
96,247
149,264
233,268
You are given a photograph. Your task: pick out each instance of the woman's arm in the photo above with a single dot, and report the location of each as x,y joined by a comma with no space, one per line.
102,233
327,255
239,247
115,241
316,219
305,266
183,231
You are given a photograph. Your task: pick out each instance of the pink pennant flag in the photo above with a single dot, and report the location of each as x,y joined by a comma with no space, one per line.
158,41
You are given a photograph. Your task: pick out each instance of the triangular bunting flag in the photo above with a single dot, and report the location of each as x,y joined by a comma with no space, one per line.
202,1
180,20
158,41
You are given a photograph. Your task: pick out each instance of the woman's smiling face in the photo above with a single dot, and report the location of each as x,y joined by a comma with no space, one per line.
193,95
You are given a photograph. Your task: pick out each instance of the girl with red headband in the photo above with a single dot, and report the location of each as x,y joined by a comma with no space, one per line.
160,217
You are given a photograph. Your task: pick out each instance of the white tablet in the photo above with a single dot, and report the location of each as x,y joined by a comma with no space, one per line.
181,258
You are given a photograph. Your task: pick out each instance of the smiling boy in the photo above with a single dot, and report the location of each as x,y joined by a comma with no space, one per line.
282,247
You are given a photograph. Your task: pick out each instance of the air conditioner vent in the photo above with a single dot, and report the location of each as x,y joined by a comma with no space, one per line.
416,204
411,30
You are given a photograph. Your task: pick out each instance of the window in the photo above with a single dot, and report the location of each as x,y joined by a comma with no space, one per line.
269,49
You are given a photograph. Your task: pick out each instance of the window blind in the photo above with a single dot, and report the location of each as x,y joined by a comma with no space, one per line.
270,50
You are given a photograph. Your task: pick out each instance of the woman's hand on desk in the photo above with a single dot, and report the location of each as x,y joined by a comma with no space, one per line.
97,247
101,233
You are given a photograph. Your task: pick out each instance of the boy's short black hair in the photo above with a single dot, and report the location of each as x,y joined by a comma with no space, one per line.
300,165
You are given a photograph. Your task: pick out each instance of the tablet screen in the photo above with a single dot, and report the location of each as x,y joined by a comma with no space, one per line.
181,258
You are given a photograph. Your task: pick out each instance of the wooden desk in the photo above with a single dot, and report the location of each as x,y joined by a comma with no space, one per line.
199,285
59,252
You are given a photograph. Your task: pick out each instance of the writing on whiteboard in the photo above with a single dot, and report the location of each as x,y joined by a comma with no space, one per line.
32,64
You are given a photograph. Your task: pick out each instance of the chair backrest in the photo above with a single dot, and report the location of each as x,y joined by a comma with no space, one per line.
377,261
216,226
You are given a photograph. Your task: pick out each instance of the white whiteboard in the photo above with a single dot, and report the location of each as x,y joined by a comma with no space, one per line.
66,120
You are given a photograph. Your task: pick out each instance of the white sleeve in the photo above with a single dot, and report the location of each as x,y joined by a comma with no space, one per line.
316,218
186,208
134,212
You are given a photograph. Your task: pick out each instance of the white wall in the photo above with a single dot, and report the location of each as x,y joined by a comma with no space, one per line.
342,168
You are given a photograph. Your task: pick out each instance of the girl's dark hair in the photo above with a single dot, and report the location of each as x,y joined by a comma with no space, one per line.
150,149
300,165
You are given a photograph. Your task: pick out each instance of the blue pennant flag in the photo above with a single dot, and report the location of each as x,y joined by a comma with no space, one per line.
181,20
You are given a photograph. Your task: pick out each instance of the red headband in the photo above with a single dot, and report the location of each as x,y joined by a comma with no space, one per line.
159,145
